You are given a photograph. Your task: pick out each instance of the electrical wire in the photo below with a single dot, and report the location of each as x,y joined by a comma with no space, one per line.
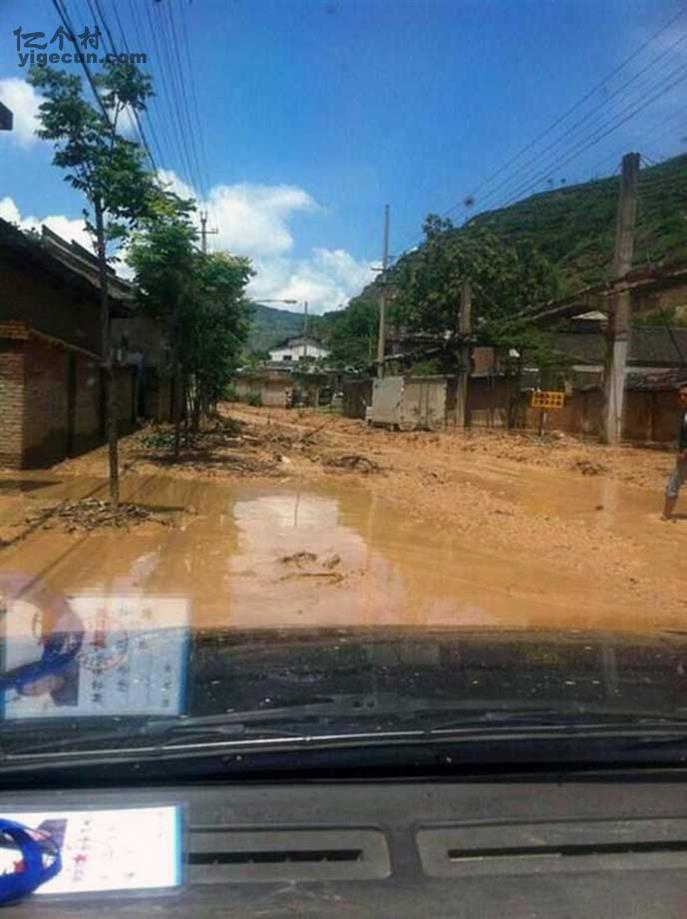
608,128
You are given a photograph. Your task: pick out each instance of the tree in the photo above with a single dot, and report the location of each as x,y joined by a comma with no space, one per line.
506,281
351,334
199,299
108,170
162,255
214,328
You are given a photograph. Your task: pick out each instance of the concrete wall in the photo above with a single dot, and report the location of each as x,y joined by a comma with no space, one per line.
273,393
357,395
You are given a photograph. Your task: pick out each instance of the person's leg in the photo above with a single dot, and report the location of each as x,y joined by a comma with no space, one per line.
675,482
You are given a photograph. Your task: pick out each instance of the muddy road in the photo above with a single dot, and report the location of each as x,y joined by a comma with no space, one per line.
298,519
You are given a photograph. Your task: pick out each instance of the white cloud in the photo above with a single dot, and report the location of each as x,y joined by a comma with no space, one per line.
23,100
254,220
327,279
64,226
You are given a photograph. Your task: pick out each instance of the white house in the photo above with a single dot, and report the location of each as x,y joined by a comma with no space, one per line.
296,348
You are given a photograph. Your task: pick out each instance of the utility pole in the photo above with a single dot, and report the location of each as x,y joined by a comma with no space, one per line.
381,337
464,329
619,304
305,328
204,232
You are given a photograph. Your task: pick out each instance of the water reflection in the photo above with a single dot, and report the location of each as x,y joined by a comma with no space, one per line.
278,557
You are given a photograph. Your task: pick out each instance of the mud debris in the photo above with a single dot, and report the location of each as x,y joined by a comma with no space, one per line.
91,514
587,467
298,558
355,462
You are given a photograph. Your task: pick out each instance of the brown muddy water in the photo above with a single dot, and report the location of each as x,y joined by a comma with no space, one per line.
324,555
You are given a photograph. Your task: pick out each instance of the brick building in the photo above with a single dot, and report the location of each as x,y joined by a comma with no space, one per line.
51,389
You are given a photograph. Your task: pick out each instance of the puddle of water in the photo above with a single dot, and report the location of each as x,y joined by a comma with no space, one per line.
250,557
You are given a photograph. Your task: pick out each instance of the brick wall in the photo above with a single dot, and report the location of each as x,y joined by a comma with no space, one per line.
47,304
11,401
45,404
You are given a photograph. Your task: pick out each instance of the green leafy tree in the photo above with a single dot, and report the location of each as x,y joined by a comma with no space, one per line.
163,256
108,169
351,334
214,328
199,299
506,280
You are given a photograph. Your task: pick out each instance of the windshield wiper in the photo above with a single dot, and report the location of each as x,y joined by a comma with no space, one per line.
350,715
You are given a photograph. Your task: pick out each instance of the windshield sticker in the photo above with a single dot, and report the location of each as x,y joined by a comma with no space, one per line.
126,849
106,656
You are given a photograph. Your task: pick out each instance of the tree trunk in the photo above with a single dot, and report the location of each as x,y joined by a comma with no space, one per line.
197,404
178,395
106,349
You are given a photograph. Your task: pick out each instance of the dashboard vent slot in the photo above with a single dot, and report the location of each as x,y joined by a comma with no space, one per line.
531,848
218,856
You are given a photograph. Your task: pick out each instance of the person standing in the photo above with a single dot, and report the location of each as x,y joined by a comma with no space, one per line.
679,474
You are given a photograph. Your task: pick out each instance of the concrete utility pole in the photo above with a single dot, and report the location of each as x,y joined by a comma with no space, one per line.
204,232
464,329
305,328
619,305
381,337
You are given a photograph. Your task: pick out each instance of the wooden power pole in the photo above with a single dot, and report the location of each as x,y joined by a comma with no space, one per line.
464,329
381,336
619,306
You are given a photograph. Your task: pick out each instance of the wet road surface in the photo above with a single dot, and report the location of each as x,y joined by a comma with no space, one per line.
332,554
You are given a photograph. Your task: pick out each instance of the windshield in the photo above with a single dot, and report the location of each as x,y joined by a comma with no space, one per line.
343,384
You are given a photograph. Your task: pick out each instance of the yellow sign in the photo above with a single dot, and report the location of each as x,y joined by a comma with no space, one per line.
551,399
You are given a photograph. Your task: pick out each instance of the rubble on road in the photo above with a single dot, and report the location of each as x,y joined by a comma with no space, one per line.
91,514
298,558
354,462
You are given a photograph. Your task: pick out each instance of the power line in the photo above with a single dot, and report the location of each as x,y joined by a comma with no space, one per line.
175,124
579,103
584,121
133,112
590,140
153,110
561,118
184,98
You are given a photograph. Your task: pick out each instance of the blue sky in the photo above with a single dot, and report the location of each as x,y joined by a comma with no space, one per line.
314,113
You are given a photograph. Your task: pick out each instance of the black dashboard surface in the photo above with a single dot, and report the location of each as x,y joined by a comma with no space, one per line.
580,848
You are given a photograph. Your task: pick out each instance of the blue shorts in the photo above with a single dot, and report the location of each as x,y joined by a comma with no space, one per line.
676,479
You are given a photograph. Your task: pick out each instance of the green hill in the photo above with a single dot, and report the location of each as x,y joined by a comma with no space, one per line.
574,226
270,326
